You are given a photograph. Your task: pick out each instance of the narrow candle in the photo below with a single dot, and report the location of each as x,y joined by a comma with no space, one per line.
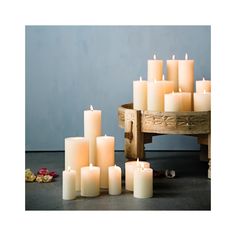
155,69
140,94
68,184
114,173
172,72
202,85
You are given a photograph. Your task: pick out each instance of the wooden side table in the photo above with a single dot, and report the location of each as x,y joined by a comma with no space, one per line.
141,126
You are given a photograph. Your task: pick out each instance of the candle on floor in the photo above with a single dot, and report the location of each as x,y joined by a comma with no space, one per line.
202,101
90,181
68,184
76,155
186,74
140,94
155,69
202,85
172,72
155,94
130,166
114,173
143,182
105,157
92,129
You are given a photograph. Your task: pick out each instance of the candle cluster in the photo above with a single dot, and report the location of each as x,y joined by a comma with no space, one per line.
176,94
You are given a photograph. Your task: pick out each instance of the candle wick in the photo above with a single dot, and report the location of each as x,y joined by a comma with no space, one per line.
154,57
180,90
91,107
163,77
173,57
69,168
203,79
90,165
186,56
140,78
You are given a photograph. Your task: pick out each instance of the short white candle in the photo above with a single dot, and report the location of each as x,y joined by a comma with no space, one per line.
114,173
172,72
140,94
202,101
130,166
173,102
202,85
90,181
68,184
105,157
92,129
155,69
143,182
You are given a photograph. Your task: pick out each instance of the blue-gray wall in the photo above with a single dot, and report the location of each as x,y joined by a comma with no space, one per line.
70,67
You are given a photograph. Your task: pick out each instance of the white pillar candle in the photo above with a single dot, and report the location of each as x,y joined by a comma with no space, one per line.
68,184
76,155
155,94
130,166
114,173
202,85
105,157
202,101
143,182
173,102
186,74
92,129
90,181
140,94
155,69
172,72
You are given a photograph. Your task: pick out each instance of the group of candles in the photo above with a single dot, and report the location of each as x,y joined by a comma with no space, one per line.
90,165
176,94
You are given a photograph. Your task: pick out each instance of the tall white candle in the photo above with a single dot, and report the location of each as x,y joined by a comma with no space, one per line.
105,157
76,155
202,85
130,166
68,184
92,129
202,101
172,72
140,94
143,182
114,173
155,69
90,181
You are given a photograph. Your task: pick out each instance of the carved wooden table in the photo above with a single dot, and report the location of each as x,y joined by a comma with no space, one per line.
141,126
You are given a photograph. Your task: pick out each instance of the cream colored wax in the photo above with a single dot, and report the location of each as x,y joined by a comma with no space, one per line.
202,101
155,94
130,166
186,100
90,181
105,157
68,184
202,85
186,74
172,72
92,129
143,182
76,155
155,69
173,102
114,179
140,94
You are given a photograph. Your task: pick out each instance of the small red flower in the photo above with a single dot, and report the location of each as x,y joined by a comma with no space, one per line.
53,174
43,171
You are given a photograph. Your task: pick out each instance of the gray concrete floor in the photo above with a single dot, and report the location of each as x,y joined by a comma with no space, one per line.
190,190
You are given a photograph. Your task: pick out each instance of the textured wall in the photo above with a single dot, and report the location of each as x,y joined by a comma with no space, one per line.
70,67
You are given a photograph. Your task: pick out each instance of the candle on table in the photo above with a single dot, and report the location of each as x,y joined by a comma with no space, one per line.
186,74
76,155
130,166
186,100
202,85
172,72
90,181
114,173
92,129
105,157
68,184
155,70
173,102
140,94
143,182
155,94
202,101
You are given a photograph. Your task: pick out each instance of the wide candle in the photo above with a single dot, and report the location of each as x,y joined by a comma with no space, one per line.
114,176
172,72
173,102
68,184
92,129
202,101
90,181
130,166
140,94
202,85
186,74
105,157
156,91
143,182
76,155
155,69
